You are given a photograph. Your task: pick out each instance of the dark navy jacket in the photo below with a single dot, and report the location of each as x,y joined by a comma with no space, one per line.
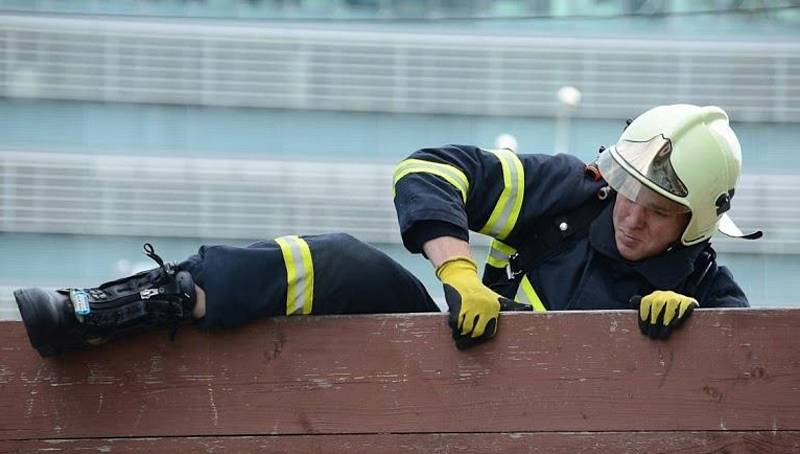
587,272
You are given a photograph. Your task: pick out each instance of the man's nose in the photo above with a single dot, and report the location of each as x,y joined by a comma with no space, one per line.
637,216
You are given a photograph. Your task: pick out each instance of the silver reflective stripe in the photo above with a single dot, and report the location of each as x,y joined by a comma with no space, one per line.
499,253
507,209
299,274
449,173
521,296
526,294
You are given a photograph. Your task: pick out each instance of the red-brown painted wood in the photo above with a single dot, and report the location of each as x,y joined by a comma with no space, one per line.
725,370
550,442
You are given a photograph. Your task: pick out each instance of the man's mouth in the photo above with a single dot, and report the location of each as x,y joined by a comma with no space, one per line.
628,239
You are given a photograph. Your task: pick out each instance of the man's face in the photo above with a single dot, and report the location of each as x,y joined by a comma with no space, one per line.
646,228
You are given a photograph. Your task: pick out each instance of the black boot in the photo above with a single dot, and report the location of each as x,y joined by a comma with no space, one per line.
74,319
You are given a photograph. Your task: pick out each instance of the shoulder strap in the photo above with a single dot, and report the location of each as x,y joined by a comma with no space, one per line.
550,234
704,266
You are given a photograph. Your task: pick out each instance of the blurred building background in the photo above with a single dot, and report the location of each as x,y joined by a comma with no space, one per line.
208,121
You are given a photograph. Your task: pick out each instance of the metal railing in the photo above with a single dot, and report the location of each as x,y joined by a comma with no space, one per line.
263,66
249,199
206,198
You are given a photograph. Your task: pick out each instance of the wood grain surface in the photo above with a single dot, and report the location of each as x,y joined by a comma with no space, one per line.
489,443
725,371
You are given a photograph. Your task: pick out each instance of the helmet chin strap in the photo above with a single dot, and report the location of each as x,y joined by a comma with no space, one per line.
729,228
675,245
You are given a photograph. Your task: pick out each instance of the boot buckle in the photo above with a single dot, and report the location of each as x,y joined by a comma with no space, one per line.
149,293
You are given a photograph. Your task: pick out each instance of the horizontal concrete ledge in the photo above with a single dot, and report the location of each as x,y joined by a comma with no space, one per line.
725,370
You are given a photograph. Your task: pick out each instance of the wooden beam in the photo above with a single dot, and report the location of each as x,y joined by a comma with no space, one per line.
725,370
543,442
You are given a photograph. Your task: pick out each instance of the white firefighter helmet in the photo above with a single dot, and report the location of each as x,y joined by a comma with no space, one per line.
679,158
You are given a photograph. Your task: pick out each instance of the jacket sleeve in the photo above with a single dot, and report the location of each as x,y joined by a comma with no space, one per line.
457,188
722,291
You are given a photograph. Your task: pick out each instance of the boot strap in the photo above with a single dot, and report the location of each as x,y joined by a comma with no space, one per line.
162,303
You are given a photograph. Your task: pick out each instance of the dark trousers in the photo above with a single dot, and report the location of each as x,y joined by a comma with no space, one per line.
349,277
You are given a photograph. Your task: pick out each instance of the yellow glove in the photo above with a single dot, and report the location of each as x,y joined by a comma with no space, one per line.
474,308
662,311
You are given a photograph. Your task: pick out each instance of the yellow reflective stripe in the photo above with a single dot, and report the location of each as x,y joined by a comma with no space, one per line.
527,295
449,173
506,211
499,253
299,274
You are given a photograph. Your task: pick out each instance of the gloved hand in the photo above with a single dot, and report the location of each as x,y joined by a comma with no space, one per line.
662,311
474,308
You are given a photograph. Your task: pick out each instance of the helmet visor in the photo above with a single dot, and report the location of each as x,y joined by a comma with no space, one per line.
651,160
633,189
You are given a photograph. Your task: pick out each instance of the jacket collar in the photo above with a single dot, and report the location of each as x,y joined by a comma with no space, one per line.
665,271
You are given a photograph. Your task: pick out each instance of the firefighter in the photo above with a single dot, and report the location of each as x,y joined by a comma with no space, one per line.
633,227
567,236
